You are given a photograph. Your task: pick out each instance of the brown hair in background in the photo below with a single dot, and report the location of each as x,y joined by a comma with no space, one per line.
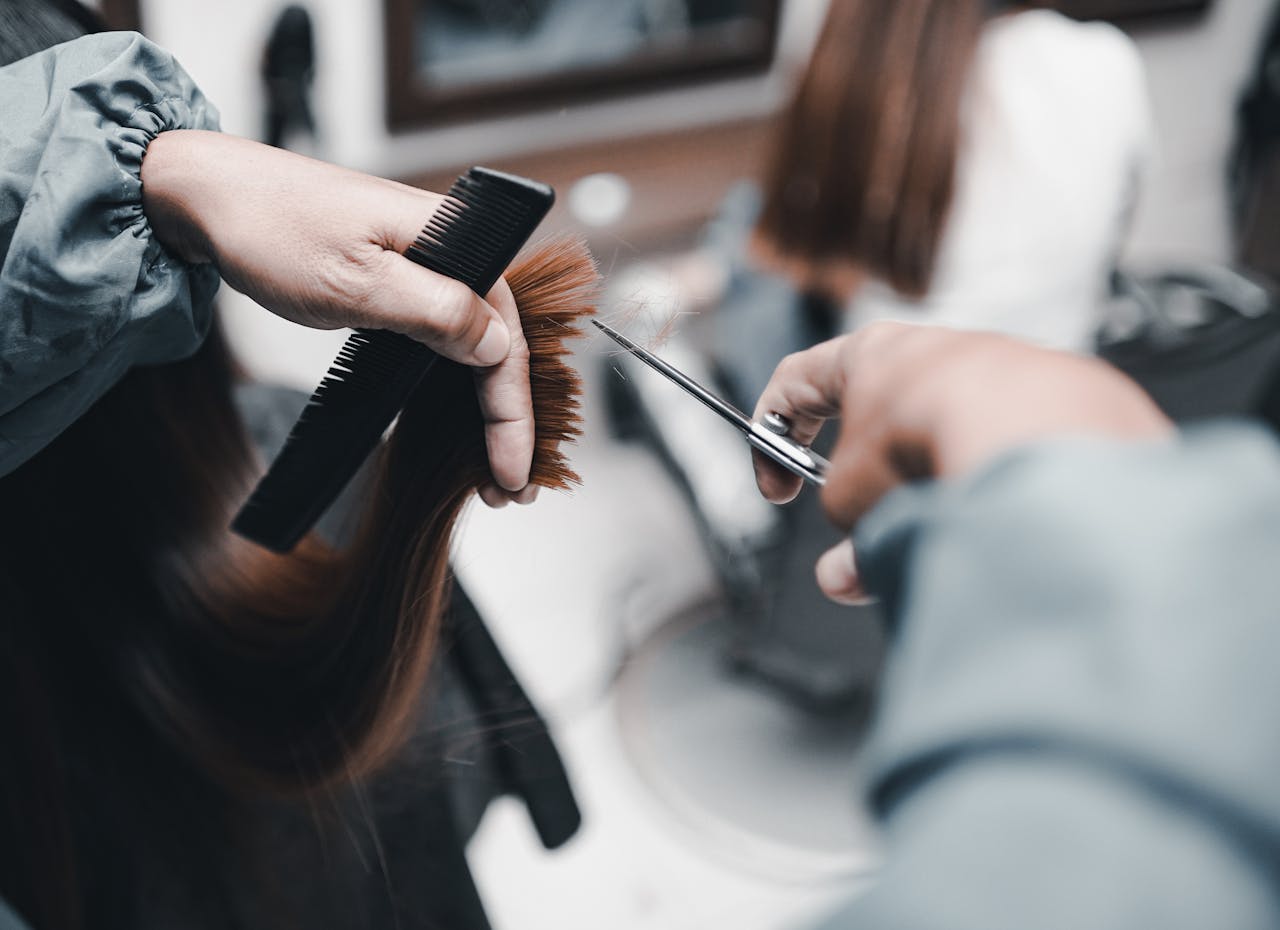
145,651
862,172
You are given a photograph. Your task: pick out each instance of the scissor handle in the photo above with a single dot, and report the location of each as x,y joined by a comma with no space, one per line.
795,458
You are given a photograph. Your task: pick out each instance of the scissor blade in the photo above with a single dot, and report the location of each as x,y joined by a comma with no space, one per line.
726,410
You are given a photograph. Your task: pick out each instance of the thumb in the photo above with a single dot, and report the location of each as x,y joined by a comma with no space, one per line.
837,574
438,311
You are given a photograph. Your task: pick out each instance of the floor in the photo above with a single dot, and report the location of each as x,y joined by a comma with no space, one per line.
708,801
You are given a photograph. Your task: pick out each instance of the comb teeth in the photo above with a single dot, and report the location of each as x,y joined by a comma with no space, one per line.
483,207
483,222
357,399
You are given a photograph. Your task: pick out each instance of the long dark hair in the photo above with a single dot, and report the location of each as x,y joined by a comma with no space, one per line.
863,170
152,663
30,26
145,650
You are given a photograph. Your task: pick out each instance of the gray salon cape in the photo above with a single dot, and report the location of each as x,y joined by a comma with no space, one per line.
1080,727
86,291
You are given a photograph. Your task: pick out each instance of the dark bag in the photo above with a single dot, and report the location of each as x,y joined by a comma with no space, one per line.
1203,341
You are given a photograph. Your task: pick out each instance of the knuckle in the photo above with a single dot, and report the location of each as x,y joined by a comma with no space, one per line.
849,348
519,344
790,365
889,327
878,332
507,400
350,283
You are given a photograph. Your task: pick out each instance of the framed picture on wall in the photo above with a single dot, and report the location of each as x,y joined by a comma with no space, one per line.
453,59
1130,9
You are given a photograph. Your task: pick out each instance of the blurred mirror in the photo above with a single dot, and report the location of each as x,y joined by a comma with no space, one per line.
449,59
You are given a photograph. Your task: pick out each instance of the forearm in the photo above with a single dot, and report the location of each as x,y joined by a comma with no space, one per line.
179,177
303,238
1081,704
212,197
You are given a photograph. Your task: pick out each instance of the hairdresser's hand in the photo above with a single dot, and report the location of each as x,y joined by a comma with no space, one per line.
924,402
321,245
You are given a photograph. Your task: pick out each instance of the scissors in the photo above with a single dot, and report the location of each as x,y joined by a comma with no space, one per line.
769,436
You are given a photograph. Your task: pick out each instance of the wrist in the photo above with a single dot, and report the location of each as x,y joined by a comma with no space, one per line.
173,184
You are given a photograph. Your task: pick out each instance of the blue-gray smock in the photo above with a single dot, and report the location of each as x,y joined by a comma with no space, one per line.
1080,722
86,291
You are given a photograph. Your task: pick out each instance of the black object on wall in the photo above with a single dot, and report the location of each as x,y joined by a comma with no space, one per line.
1255,161
288,66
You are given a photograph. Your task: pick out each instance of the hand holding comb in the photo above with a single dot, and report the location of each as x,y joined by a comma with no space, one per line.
485,219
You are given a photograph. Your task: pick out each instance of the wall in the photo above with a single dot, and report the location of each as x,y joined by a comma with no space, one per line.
1195,71
1195,74
220,44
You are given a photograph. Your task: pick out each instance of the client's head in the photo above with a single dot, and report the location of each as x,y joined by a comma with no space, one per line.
31,26
862,172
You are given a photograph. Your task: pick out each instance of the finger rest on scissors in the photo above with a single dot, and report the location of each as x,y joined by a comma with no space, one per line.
798,459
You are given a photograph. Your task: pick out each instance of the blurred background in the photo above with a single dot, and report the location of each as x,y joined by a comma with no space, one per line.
708,703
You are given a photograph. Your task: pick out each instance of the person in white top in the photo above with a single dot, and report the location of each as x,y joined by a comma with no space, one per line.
950,162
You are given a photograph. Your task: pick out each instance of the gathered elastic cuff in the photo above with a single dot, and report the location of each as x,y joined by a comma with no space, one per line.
86,290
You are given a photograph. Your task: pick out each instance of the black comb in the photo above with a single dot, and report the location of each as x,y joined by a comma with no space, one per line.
475,233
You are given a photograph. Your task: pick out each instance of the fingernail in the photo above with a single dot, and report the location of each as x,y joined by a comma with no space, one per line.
512,484
494,345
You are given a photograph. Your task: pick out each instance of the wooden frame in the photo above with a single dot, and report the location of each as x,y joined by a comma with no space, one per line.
1124,11
122,14
413,104
678,179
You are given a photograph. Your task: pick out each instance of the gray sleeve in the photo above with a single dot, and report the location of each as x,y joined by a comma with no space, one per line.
85,289
9,920
1081,721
